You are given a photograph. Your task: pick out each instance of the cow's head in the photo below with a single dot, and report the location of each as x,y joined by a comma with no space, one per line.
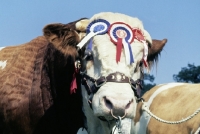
115,97
65,37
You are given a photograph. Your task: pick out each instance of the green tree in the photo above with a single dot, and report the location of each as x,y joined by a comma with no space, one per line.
189,74
148,83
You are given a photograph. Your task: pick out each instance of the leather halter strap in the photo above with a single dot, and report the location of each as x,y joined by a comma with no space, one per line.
92,85
115,77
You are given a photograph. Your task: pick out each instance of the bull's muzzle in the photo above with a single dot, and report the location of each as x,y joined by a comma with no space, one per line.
117,107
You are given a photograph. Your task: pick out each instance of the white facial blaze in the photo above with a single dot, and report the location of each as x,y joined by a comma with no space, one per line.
3,64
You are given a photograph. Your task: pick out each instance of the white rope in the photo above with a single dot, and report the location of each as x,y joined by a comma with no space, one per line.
198,130
145,108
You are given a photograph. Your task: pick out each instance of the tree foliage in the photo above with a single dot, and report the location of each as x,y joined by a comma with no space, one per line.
189,74
148,82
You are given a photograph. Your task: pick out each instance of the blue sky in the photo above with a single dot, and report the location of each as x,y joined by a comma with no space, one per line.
176,20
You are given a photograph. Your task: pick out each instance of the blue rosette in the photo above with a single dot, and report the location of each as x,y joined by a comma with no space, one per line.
96,27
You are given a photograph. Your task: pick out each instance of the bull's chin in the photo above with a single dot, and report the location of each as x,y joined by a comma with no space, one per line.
110,118
125,124
106,118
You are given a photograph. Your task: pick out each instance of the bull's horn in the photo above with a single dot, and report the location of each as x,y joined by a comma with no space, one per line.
82,25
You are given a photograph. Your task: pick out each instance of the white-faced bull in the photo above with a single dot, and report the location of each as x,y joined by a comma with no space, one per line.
117,49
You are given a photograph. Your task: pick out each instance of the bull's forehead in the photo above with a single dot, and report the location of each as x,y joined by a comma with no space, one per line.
105,52
118,17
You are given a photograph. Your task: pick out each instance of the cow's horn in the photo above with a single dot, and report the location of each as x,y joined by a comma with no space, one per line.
82,25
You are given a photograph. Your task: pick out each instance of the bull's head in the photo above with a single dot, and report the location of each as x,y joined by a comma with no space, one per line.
112,88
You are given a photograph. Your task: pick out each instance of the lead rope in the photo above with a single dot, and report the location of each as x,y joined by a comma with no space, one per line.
198,130
145,108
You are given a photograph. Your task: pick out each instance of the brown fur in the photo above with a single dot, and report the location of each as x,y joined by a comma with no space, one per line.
173,104
34,85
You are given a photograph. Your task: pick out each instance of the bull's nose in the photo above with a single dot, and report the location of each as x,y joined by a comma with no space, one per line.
118,105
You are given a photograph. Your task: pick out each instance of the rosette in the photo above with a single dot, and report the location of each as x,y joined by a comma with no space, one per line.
96,27
121,35
137,33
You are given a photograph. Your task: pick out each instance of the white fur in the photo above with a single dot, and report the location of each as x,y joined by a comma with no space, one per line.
3,64
141,126
105,63
82,131
1,48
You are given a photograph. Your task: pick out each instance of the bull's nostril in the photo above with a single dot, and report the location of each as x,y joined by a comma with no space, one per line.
108,103
129,103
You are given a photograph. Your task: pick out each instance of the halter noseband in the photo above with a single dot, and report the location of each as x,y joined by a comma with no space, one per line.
92,85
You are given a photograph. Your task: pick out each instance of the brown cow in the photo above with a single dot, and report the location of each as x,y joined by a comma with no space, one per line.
35,80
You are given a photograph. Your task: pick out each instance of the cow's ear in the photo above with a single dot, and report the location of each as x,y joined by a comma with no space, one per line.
63,38
154,50
53,32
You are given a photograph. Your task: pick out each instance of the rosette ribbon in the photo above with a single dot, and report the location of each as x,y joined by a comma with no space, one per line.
96,27
140,37
121,35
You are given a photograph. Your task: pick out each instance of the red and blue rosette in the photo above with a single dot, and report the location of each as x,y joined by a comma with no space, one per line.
137,33
96,27
121,35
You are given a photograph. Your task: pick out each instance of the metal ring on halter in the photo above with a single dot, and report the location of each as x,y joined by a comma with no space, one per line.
118,116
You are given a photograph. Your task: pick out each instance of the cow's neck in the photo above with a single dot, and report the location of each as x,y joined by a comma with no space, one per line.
60,70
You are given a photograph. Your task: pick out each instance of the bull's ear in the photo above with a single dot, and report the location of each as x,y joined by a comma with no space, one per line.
154,50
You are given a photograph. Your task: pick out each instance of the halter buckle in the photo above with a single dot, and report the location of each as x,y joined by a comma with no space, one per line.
100,82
